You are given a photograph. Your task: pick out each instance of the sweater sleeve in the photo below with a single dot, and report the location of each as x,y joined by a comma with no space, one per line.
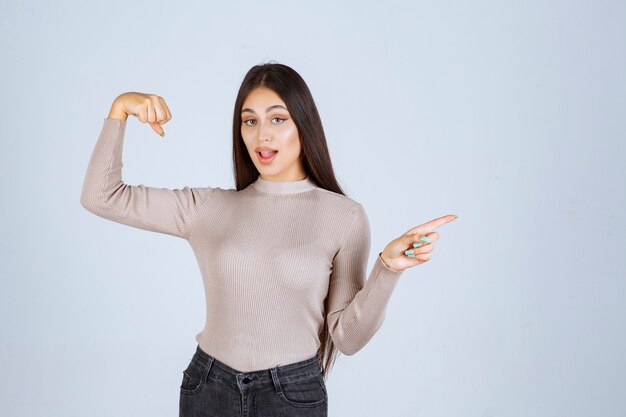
104,193
356,307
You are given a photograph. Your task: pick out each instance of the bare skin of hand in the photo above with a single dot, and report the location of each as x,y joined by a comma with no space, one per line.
394,255
148,108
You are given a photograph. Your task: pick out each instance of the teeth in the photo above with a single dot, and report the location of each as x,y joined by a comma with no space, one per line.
267,153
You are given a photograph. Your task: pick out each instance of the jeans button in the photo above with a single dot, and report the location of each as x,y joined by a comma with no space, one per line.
246,380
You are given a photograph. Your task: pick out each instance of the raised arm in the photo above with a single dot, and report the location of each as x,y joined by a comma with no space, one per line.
356,307
104,193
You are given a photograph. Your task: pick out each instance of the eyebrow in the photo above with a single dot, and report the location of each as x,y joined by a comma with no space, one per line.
267,110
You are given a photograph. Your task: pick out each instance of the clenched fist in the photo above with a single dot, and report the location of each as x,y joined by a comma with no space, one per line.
148,108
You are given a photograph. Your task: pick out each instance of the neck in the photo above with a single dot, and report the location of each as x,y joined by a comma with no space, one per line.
284,187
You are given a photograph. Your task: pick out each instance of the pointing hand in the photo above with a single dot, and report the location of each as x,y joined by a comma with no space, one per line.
415,246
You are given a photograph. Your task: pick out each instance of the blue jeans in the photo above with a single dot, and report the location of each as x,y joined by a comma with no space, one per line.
210,388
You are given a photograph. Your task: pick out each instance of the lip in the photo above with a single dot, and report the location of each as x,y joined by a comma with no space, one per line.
264,148
266,160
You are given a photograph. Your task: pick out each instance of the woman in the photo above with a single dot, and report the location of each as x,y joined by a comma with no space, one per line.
283,256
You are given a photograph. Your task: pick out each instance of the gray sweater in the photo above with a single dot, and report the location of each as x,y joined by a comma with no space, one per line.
269,256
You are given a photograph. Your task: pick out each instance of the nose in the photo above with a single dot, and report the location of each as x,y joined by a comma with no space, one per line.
265,132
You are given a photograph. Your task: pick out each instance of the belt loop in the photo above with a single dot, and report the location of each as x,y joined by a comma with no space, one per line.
274,372
208,366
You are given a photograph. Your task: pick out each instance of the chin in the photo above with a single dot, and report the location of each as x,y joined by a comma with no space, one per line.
266,171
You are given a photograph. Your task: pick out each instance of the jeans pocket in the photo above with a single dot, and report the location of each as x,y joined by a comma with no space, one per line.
194,378
309,391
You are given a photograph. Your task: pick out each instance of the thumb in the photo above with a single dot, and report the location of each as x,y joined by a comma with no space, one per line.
157,128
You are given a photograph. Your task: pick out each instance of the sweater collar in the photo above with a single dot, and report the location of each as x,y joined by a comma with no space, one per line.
284,187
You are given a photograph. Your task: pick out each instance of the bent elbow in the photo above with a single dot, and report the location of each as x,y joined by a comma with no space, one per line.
96,199
348,351
91,200
350,343
87,200
347,347
84,201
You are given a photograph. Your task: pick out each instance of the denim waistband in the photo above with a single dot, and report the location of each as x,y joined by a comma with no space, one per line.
259,378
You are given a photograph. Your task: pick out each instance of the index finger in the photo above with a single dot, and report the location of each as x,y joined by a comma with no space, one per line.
428,227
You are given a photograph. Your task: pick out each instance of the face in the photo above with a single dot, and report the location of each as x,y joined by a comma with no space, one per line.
267,124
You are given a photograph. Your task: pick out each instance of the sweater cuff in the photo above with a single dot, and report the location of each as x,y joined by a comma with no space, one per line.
109,121
384,279
385,274
385,267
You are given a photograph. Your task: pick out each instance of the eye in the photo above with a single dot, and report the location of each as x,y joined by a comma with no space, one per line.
245,122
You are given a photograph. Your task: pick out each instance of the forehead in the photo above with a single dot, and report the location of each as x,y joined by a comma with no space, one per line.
262,97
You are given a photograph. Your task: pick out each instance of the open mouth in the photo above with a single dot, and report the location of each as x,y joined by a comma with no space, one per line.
266,156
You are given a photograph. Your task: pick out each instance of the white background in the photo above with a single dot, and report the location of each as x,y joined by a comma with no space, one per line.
509,114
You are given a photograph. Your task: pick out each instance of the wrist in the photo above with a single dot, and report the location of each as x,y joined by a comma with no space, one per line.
385,262
117,111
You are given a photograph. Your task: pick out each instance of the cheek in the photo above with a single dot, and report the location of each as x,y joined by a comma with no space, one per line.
291,140
248,144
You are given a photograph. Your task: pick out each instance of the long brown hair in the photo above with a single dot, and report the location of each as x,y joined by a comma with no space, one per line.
292,89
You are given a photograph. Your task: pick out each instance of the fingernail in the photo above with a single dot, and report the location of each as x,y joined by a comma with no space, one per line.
411,256
417,244
162,134
409,252
425,239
